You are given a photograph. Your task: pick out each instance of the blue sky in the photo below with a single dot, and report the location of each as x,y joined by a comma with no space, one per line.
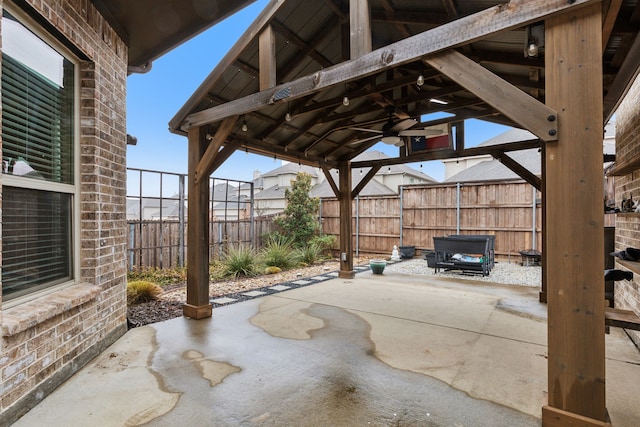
155,97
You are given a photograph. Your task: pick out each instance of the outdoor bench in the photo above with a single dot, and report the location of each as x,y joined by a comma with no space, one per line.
466,253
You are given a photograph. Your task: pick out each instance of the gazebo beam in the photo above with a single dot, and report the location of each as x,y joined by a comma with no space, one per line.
574,221
523,109
197,305
346,232
205,167
456,33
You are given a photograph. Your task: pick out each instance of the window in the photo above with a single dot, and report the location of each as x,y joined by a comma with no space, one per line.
38,146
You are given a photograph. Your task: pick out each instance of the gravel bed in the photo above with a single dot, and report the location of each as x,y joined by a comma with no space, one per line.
502,272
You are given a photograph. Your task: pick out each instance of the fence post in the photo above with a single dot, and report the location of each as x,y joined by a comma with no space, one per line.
458,208
252,231
401,213
357,226
181,214
533,226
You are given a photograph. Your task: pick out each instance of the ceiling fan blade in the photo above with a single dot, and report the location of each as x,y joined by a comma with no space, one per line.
365,130
420,132
404,124
360,141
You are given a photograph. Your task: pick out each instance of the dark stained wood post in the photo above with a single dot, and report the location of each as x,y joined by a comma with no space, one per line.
197,305
575,220
346,243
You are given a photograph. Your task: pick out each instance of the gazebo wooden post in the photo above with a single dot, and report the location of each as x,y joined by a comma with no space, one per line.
575,220
346,242
197,305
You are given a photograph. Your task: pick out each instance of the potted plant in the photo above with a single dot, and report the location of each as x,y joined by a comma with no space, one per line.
377,265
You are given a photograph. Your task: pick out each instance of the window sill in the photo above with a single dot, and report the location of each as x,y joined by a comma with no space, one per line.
24,316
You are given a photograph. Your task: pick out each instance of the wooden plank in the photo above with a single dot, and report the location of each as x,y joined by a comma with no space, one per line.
204,167
197,305
267,45
364,181
619,318
332,183
346,227
610,20
447,154
523,109
520,170
573,167
360,28
554,417
462,31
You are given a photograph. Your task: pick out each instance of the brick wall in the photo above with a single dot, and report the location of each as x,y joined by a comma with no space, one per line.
627,294
47,339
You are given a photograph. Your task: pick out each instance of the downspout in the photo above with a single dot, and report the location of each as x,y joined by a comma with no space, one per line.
139,69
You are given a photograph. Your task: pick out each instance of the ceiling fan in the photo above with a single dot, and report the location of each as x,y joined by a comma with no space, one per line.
392,132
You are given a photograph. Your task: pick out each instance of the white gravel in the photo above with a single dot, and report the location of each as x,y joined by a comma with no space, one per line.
502,272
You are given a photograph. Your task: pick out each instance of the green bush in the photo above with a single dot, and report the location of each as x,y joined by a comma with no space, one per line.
140,291
326,241
217,271
300,217
240,260
310,254
279,252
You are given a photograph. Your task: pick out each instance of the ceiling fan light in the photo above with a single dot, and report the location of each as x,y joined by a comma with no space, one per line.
391,139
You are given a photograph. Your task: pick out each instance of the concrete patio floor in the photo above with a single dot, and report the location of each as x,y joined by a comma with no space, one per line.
378,350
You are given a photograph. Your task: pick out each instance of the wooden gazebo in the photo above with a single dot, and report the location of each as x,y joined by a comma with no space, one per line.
319,82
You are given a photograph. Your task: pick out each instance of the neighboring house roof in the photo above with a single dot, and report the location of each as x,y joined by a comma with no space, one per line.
134,204
221,192
291,168
512,135
233,204
151,28
273,192
373,188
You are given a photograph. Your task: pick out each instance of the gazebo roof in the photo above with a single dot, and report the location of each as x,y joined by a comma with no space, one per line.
288,74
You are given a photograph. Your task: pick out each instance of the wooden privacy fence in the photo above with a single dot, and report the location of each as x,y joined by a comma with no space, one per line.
162,244
510,210
421,212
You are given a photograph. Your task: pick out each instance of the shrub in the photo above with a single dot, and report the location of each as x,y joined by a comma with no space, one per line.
310,254
272,270
326,241
300,217
279,252
160,276
217,271
240,260
140,291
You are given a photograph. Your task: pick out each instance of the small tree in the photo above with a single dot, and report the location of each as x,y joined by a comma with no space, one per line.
300,218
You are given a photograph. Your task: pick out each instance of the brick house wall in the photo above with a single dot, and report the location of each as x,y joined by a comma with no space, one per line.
627,294
45,340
